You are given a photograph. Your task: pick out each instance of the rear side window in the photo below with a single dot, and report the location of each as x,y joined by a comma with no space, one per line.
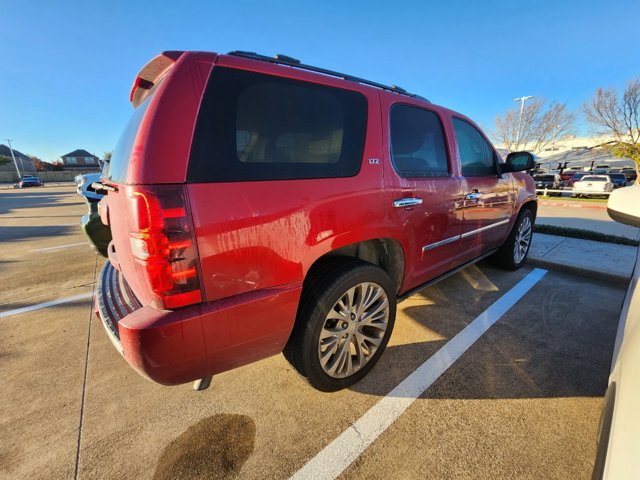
476,155
253,126
120,158
417,142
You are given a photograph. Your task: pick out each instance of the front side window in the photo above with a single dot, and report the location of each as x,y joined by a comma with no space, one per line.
253,126
418,147
476,155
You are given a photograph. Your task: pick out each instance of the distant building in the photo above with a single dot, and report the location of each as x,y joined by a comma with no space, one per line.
586,152
79,159
567,143
573,143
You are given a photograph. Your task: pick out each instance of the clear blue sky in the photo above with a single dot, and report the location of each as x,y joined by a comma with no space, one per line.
66,67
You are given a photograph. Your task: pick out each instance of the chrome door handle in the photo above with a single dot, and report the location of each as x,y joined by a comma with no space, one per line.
407,202
475,196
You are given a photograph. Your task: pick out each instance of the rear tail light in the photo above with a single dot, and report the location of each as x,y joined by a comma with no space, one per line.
163,244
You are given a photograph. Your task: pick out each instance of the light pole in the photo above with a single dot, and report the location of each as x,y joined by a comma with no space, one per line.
521,100
14,158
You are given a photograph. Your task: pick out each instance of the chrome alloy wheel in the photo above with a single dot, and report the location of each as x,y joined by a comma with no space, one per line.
353,330
523,239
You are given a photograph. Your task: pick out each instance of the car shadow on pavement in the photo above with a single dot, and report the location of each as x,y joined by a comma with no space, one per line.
16,201
12,234
34,193
557,344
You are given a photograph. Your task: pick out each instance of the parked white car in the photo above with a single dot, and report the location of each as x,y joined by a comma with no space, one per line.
619,434
591,185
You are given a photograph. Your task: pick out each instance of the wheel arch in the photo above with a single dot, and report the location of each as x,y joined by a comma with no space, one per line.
385,253
531,205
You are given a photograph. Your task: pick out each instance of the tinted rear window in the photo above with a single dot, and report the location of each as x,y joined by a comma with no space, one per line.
120,157
253,126
594,179
417,142
545,178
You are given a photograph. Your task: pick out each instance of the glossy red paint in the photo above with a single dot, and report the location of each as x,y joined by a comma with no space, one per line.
256,241
437,219
173,347
270,233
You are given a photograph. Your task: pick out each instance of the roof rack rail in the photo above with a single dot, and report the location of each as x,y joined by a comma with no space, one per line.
294,62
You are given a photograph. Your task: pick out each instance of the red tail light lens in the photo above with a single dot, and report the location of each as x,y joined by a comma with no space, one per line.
163,244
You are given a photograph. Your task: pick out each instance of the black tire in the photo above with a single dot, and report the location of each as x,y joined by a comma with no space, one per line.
323,291
508,256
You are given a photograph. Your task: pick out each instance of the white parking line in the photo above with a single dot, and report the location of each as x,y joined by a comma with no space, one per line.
339,454
52,303
59,247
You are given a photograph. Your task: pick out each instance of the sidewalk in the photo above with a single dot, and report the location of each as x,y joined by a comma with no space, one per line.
605,261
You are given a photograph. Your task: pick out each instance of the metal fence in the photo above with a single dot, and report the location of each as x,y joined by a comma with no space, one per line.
571,192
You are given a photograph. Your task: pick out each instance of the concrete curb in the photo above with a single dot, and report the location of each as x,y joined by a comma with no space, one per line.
620,280
551,203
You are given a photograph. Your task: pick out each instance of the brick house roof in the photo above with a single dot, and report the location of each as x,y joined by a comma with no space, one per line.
79,153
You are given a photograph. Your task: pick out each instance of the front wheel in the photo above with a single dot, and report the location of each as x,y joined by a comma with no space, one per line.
513,253
344,325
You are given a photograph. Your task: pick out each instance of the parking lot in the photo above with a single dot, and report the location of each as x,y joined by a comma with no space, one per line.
523,401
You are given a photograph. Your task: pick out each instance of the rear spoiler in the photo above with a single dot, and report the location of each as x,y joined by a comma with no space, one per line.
150,74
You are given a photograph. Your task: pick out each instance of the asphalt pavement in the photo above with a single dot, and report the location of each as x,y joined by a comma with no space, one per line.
522,401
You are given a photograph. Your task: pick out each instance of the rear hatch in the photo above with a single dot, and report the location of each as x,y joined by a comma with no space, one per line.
147,205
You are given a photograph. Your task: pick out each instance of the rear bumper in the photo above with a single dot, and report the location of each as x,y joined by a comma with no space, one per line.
178,346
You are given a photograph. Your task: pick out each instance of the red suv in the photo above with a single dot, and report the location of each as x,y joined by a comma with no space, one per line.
259,205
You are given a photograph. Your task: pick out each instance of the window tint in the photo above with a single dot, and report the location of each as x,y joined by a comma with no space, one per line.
475,153
253,126
417,142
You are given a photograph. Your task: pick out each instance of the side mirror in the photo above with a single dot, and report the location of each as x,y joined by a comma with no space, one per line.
519,162
624,205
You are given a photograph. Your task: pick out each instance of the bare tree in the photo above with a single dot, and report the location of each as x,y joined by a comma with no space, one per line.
107,156
619,117
540,126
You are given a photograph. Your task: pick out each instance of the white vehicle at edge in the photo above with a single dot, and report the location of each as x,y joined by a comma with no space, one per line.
619,434
592,185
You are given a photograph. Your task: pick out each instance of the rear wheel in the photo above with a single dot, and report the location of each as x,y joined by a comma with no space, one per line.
514,251
343,326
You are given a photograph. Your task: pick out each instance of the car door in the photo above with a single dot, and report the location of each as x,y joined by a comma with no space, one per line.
422,191
488,195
